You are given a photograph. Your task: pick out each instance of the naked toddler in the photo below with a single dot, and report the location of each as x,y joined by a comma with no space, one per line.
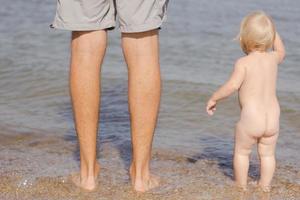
254,77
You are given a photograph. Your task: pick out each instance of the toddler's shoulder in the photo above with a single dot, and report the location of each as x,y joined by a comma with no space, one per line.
274,55
241,62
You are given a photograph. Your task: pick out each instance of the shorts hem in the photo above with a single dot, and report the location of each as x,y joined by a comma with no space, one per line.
142,27
83,27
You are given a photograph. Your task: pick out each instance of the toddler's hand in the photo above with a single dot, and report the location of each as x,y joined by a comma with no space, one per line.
211,107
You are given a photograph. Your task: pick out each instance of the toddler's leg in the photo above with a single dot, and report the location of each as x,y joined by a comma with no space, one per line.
242,150
266,151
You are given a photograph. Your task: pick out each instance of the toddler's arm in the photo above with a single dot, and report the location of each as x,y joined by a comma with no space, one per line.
232,85
278,48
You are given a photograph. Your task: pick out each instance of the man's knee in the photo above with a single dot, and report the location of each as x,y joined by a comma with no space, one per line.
90,37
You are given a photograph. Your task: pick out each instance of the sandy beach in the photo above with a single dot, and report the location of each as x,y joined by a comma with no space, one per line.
183,177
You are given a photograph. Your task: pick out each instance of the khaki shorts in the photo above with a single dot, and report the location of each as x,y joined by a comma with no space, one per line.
132,15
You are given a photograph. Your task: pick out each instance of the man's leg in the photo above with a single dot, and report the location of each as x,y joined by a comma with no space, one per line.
141,51
88,50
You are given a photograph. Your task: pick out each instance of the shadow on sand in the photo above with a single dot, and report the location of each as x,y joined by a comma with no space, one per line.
222,154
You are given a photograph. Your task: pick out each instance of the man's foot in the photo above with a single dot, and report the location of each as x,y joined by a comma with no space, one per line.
88,183
145,185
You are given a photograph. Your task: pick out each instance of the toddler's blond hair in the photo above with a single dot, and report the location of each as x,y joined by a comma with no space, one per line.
257,32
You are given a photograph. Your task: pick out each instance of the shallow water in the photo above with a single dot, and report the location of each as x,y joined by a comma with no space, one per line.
192,152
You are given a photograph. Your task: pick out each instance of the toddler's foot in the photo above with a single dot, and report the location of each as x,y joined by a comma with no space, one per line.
261,187
242,188
266,189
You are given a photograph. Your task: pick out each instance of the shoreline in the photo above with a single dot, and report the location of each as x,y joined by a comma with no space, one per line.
183,176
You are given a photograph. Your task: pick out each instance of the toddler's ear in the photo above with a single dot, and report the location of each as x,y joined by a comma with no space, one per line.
237,38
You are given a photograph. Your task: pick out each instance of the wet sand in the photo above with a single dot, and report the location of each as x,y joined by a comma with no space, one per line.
38,167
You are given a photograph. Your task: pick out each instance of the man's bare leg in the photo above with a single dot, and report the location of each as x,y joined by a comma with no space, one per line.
141,51
88,50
